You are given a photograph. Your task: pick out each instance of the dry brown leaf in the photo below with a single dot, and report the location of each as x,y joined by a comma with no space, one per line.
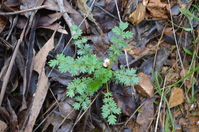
158,9
138,52
145,87
3,23
40,58
139,14
65,109
133,126
49,19
144,117
43,84
176,98
49,25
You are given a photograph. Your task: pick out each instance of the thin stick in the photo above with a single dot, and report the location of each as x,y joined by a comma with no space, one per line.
118,11
22,11
133,114
174,34
126,57
7,76
86,110
107,12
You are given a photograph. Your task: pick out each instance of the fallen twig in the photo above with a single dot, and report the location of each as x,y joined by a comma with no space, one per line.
22,11
7,76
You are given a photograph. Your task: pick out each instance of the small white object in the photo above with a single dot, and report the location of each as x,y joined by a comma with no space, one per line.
106,62
193,106
197,123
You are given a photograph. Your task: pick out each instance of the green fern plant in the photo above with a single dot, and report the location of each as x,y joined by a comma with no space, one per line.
83,89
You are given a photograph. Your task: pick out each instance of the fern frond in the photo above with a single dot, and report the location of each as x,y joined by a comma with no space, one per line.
77,31
84,64
126,77
78,89
118,41
109,108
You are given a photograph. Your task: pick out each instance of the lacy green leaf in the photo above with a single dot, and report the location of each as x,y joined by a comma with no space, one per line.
126,77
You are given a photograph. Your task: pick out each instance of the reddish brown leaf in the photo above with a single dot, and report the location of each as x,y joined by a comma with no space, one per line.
145,87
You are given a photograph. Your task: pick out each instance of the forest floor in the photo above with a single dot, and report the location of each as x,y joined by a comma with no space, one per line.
99,65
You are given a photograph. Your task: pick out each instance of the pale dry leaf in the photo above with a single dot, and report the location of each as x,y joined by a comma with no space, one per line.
54,27
145,86
176,98
3,126
43,83
139,14
40,58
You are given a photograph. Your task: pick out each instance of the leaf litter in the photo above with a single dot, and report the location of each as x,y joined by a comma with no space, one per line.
33,95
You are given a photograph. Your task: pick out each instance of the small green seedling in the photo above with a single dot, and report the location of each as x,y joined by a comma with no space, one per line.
98,74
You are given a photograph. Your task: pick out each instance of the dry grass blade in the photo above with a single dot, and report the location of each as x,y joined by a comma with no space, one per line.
160,105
